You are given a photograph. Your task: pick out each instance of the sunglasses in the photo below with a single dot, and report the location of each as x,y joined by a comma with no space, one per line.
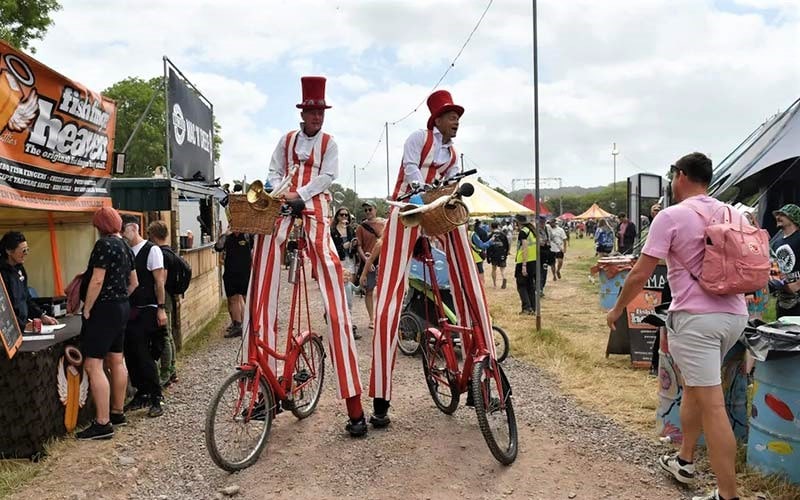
26,251
672,170
345,214
368,209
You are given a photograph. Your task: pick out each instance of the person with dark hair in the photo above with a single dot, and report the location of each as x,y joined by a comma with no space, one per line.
626,234
158,234
144,333
344,239
237,251
109,280
702,326
497,253
479,243
12,269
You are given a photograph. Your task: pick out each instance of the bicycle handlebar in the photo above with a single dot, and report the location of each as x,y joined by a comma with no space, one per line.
421,188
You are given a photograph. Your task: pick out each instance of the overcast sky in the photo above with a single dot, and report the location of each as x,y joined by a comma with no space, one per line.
658,77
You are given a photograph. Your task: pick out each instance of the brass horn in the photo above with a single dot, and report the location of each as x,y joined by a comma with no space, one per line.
412,220
257,197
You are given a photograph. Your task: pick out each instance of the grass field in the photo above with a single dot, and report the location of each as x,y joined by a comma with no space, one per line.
571,347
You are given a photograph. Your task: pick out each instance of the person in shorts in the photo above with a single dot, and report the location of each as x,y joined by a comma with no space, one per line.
559,240
701,326
497,254
109,279
238,259
367,233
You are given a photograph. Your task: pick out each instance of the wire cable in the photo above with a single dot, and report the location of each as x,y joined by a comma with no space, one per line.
375,150
451,66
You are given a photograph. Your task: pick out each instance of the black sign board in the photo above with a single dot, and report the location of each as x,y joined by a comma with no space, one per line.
191,130
9,327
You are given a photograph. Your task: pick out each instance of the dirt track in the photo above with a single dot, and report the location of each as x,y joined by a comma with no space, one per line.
565,452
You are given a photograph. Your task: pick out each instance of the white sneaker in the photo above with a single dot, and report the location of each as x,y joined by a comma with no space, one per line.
682,473
714,495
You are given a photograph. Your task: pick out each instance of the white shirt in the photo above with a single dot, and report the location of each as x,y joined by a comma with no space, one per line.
413,149
155,260
329,170
557,238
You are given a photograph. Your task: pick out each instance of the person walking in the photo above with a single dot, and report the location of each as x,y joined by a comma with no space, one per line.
109,279
344,238
603,239
525,264
144,335
428,155
479,242
702,326
786,250
158,234
559,241
316,156
237,250
367,233
626,234
497,254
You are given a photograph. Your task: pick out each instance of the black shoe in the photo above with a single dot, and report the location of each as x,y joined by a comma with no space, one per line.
356,335
156,408
380,421
96,431
173,379
503,286
138,402
118,419
233,332
357,428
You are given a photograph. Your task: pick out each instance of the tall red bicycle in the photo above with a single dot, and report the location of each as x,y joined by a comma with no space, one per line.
240,415
477,373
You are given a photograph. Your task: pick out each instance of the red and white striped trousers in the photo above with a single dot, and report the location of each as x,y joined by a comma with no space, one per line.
465,284
261,313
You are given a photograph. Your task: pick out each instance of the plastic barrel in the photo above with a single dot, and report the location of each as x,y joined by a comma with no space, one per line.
670,392
610,288
774,443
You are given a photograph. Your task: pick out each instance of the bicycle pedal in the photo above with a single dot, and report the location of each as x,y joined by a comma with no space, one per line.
287,404
302,376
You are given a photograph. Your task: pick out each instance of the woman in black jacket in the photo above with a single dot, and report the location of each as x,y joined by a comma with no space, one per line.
15,249
344,238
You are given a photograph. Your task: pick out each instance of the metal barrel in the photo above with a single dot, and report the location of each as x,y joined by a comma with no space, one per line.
774,443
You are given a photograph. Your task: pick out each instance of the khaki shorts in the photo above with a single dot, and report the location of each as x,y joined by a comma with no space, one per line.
698,344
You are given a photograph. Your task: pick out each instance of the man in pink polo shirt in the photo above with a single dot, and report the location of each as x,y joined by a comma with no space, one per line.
702,327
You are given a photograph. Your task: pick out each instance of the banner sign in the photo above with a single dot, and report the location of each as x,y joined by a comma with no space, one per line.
56,138
191,130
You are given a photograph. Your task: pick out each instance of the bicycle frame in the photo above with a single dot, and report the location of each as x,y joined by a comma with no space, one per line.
473,344
259,353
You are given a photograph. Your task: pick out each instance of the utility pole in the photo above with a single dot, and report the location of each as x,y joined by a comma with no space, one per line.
355,191
388,193
614,153
536,166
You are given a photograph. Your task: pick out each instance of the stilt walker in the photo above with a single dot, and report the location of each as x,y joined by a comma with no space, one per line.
316,155
428,155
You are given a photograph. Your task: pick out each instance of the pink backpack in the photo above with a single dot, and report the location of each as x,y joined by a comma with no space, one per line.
736,258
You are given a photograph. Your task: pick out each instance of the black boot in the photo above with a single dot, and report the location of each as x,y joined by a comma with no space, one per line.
357,427
380,418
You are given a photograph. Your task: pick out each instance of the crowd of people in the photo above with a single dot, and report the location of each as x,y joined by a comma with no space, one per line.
126,337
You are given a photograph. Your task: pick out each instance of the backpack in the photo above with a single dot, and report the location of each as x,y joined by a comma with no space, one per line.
736,257
179,272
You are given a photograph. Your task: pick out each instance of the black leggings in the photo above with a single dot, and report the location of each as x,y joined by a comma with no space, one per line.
526,286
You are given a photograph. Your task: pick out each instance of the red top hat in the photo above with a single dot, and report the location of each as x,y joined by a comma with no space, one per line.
440,102
313,93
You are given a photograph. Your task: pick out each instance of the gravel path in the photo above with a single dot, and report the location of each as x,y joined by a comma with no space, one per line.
565,451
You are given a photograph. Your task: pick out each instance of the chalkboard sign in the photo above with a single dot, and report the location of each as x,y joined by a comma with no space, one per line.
9,328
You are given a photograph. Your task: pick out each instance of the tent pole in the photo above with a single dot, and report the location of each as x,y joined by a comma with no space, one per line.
58,283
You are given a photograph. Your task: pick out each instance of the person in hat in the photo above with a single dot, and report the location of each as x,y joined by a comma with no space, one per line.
316,155
786,249
525,263
367,233
428,155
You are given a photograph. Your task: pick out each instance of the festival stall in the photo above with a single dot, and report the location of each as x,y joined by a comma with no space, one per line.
594,212
485,201
56,155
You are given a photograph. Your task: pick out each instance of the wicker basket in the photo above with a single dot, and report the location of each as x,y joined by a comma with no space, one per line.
445,218
246,219
434,194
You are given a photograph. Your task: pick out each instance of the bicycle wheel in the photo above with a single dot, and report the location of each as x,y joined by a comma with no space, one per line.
441,382
501,344
235,434
307,377
497,422
410,333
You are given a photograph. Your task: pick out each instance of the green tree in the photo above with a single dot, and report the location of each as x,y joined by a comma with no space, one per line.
22,21
147,150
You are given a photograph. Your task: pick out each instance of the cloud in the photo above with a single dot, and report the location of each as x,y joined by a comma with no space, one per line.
658,77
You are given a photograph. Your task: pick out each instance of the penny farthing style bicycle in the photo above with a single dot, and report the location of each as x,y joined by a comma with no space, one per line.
477,373
240,415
